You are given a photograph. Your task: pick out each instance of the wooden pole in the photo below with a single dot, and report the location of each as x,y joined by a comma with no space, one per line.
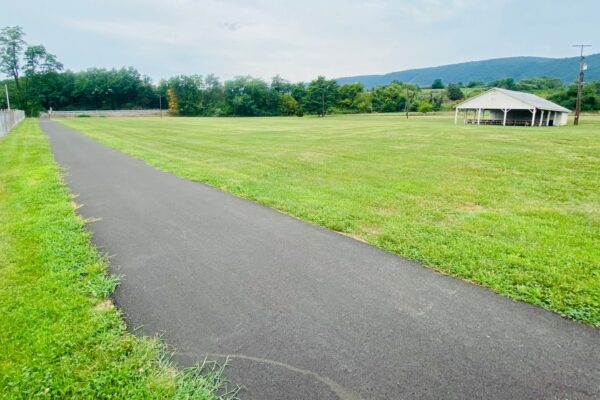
7,98
505,114
541,117
580,83
456,116
533,116
478,116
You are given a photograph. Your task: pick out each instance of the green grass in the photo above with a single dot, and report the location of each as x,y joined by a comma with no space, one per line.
60,336
514,209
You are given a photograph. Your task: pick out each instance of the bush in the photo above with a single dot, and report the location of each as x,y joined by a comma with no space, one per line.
425,107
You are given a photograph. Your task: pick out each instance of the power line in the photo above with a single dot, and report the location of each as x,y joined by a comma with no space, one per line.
582,68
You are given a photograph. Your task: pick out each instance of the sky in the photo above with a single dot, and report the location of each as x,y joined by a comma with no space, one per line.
299,40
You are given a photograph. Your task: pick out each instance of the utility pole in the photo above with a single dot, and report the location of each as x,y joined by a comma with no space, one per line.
160,104
582,68
7,98
407,102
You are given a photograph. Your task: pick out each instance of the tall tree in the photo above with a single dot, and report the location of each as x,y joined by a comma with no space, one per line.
321,96
38,60
11,46
248,96
348,94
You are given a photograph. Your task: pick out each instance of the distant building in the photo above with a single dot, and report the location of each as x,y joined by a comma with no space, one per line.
508,107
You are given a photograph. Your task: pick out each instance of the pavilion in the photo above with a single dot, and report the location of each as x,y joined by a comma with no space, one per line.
508,107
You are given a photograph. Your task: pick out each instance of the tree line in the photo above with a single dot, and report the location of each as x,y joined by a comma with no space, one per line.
37,82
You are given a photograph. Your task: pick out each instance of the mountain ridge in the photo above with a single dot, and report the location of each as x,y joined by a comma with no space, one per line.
523,67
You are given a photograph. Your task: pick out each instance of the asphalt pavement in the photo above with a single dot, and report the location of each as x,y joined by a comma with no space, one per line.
304,312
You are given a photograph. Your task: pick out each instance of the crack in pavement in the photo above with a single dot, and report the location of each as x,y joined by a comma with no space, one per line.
341,392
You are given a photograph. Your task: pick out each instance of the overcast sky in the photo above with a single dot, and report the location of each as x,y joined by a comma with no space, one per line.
299,39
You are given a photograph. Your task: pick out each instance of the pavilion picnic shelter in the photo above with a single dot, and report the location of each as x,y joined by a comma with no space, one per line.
508,107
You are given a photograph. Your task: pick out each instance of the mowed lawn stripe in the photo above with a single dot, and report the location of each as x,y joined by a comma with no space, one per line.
514,209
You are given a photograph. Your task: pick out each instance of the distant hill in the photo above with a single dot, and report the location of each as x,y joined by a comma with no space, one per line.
518,68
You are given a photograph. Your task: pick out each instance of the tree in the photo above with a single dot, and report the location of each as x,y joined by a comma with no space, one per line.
188,91
248,96
507,83
172,101
348,94
389,98
280,85
38,60
321,96
213,96
363,102
437,101
11,46
454,92
590,100
289,105
437,84
541,83
425,106
473,84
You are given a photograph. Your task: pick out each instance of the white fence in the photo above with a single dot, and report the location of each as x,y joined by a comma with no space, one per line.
9,119
103,113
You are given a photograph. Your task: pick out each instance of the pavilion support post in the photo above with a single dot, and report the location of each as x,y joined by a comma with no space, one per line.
478,116
465,121
505,114
456,117
548,118
533,116
541,117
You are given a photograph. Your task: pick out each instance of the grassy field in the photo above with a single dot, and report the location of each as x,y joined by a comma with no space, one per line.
514,209
60,336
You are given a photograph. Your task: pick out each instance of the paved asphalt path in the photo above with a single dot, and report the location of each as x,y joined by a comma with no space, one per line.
306,313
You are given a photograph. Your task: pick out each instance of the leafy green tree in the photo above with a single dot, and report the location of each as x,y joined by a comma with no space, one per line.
590,99
437,101
363,102
389,98
298,91
280,85
347,95
213,96
38,60
507,83
437,84
425,107
188,92
289,105
11,46
321,96
454,92
248,96
541,83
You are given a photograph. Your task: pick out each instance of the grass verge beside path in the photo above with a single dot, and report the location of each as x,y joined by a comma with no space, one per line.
514,209
60,337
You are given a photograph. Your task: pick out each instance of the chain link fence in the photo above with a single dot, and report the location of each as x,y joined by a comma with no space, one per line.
9,119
